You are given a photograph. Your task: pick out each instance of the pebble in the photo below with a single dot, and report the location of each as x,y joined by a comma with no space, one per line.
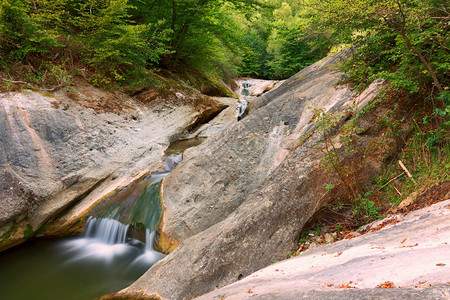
329,238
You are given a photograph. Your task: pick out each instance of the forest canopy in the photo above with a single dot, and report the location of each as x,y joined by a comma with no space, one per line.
121,41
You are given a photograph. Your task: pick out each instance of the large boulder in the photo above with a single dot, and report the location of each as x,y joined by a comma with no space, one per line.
56,149
217,176
239,201
408,251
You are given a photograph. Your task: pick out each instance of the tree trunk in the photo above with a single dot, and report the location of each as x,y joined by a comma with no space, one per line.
401,28
423,60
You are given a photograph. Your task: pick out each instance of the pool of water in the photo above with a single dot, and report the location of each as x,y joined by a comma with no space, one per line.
71,268
105,259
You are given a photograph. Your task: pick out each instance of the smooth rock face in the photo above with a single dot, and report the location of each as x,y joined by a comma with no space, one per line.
55,151
411,254
240,200
217,176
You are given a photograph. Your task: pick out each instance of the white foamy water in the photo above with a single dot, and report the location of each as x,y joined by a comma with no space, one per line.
107,231
171,161
150,256
103,240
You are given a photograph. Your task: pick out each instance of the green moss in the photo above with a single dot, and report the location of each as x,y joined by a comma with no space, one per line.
7,236
48,94
42,229
300,77
28,232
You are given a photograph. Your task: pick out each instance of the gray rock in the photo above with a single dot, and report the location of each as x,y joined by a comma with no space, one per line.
328,238
217,176
239,201
54,152
440,292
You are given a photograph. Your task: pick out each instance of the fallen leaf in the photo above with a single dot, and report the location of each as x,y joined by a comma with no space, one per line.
410,246
345,286
403,240
386,285
422,282
329,285
440,265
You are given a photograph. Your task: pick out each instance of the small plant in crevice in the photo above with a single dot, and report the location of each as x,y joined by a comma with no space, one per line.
365,209
329,186
338,143
342,157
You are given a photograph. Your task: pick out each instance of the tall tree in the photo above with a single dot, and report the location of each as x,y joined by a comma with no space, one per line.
414,28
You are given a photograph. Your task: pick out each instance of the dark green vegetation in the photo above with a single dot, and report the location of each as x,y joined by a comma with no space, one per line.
417,170
405,42
45,42
279,43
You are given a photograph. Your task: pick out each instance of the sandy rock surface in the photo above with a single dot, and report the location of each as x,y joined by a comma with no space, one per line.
411,252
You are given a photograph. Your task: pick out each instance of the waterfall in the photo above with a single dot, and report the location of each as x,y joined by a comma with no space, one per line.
149,236
150,256
120,222
171,161
240,108
245,88
107,231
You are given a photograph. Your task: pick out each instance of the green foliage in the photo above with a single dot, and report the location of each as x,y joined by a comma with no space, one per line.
120,41
329,187
278,44
254,56
336,147
21,32
403,41
289,53
365,209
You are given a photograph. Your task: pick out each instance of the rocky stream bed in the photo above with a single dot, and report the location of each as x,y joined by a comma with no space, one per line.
237,202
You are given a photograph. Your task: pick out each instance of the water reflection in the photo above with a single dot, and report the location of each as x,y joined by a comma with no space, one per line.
71,268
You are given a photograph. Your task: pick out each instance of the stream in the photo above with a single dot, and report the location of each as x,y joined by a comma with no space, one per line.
115,249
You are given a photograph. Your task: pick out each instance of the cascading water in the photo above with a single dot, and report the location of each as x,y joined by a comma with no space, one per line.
109,234
245,87
107,231
170,162
115,249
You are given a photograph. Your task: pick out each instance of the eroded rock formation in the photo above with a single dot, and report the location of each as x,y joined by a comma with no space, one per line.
57,149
